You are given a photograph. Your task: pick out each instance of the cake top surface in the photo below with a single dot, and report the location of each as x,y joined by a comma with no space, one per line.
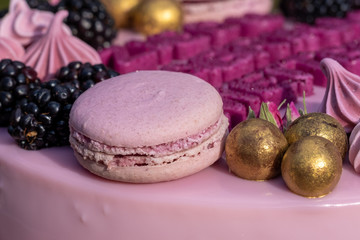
146,108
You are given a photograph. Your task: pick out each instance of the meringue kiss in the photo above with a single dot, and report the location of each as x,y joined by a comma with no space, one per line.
342,96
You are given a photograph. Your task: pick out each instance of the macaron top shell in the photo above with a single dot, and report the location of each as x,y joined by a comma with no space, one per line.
146,108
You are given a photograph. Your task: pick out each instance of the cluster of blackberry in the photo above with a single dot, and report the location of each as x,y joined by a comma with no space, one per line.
308,10
37,113
87,19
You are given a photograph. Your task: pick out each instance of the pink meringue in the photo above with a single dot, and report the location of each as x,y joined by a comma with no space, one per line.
24,24
10,49
58,48
354,150
342,96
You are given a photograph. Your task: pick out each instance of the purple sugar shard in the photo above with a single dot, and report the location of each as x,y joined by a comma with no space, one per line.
237,67
112,54
239,42
277,49
290,91
353,46
269,94
305,81
329,22
232,66
164,45
207,66
164,52
353,16
236,111
333,52
220,34
247,99
260,56
144,61
329,37
312,67
288,63
211,74
185,67
137,47
348,30
250,78
253,80
203,70
351,62
310,36
189,46
182,45
255,24
107,55
297,41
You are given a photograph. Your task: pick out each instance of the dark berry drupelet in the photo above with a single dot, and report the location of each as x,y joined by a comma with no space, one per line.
16,81
308,10
41,5
40,119
84,75
89,21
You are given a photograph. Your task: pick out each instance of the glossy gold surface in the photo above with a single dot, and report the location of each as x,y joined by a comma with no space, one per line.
120,10
254,149
155,16
318,124
311,167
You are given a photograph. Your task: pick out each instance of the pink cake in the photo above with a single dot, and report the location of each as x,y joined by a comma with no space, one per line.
46,194
211,204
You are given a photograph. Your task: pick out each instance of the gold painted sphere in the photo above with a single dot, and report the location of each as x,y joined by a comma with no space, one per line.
318,124
120,10
254,149
155,16
311,167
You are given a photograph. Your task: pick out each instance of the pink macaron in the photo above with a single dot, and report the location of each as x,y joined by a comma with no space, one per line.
148,126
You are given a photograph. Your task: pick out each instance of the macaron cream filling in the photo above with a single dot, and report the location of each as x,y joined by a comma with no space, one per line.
114,156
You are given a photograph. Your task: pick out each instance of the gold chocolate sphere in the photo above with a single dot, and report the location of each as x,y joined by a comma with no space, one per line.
155,16
120,10
318,124
254,149
311,167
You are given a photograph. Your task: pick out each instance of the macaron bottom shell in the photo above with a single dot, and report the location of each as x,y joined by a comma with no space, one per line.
191,161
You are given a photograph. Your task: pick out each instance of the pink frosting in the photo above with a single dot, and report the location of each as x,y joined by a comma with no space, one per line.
56,48
24,24
354,153
10,49
156,150
342,96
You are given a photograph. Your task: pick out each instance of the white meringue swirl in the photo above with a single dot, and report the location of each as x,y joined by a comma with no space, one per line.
24,24
11,49
354,150
342,96
57,48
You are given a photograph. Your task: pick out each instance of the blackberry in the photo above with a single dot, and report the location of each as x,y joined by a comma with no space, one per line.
308,10
41,5
355,4
84,75
16,81
89,21
40,119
